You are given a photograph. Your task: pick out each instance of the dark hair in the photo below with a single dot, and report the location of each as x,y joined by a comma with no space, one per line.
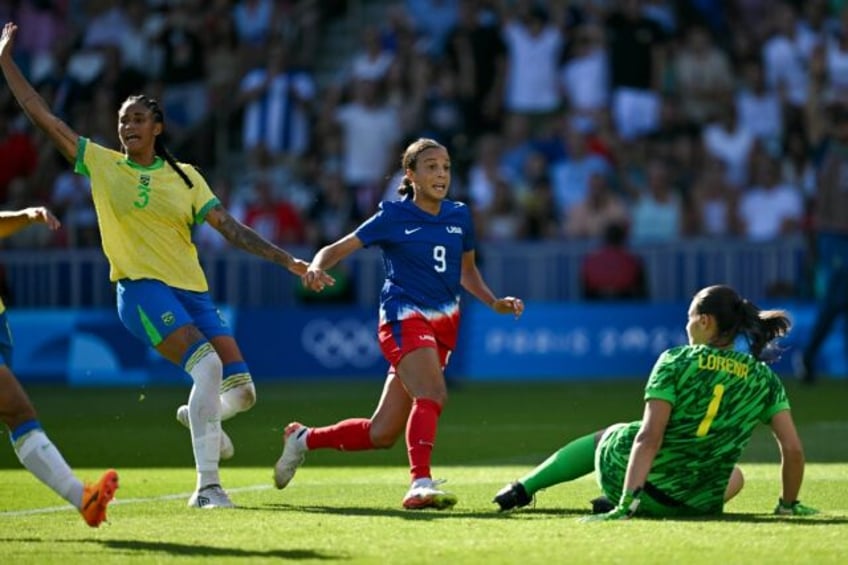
615,233
735,315
158,145
409,160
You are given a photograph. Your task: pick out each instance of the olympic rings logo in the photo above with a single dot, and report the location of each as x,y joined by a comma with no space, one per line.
337,344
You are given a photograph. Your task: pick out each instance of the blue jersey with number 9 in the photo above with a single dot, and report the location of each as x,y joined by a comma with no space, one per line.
422,255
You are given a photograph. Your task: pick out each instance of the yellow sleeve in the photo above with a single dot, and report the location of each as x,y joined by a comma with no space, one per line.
204,198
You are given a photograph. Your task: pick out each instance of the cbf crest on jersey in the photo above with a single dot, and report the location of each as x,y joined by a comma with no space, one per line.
143,189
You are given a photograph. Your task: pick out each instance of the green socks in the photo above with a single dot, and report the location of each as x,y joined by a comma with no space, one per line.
570,462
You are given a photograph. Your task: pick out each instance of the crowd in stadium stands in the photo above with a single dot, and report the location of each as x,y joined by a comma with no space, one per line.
677,119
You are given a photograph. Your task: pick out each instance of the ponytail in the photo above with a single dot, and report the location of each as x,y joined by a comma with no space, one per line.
735,316
406,188
160,149
761,328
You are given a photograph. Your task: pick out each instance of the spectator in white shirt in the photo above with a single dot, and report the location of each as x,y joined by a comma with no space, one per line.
769,208
370,131
785,56
534,46
729,141
585,77
372,62
758,108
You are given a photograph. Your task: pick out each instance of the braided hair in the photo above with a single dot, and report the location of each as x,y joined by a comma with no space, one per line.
158,145
409,160
735,315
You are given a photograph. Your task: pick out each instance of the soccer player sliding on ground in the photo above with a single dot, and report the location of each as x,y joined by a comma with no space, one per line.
702,404
146,204
428,252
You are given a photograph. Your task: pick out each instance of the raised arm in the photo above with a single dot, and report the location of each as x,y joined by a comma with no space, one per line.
473,282
244,238
31,102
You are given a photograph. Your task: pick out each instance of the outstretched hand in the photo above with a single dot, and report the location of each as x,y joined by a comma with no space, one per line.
509,305
317,279
7,39
40,214
298,267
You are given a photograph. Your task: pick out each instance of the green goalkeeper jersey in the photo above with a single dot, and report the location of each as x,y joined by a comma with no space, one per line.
718,397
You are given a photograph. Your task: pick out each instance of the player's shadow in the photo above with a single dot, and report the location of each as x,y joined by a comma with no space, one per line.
419,514
194,550
815,520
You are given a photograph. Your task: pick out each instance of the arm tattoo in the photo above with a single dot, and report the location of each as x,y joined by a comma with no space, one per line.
241,236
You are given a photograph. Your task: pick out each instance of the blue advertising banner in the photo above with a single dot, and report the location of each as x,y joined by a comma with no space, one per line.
551,341
571,341
577,341
316,342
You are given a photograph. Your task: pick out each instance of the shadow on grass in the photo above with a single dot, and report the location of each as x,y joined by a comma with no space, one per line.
541,513
816,520
420,514
181,549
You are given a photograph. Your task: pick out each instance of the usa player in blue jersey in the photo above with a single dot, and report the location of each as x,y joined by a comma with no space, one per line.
428,252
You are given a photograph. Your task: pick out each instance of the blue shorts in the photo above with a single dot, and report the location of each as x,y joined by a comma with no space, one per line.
5,341
151,310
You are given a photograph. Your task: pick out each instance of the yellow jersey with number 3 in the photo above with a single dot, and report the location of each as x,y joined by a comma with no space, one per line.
146,215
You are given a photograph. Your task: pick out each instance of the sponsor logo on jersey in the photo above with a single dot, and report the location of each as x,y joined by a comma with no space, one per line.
412,231
426,337
168,318
454,229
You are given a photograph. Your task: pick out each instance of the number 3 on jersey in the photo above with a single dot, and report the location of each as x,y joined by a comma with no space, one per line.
712,410
440,257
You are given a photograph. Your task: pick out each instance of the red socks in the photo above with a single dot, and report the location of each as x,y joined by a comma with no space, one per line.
421,434
354,435
348,435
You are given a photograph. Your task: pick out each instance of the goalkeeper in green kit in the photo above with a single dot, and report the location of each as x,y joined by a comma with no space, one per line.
702,403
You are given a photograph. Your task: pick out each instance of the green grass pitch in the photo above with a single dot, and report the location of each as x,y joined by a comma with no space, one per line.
345,507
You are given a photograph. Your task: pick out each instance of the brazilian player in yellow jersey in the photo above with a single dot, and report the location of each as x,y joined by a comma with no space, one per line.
33,447
146,204
702,403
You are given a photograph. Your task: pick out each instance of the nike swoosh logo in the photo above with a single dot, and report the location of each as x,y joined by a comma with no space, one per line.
408,232
91,500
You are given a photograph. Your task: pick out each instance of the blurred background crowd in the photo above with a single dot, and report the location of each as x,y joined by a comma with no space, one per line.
670,118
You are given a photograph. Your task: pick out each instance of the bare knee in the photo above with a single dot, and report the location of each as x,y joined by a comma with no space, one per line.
437,395
383,439
735,484
15,406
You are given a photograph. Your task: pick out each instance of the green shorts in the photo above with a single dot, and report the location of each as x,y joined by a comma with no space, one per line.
611,457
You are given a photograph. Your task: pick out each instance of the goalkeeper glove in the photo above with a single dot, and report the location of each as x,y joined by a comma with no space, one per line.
794,508
625,509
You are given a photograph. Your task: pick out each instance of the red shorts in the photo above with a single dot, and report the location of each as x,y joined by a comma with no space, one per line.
399,338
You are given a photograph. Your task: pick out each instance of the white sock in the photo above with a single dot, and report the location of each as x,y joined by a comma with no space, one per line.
237,399
423,482
204,413
37,453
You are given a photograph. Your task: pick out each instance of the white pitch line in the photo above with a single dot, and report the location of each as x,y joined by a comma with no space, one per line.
122,501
